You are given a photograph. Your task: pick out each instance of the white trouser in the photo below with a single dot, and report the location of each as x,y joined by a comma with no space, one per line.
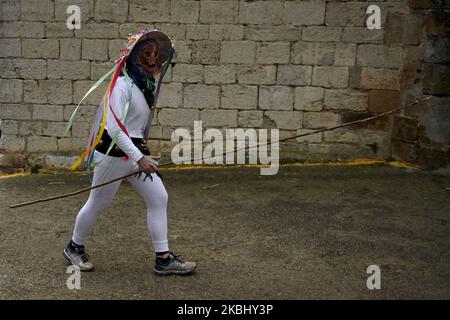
151,190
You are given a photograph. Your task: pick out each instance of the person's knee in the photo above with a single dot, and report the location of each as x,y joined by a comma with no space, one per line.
158,200
163,198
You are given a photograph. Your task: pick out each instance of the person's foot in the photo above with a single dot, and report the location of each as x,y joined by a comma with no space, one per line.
78,257
173,265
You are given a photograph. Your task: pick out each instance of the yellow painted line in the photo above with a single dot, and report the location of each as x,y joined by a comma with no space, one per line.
356,162
13,175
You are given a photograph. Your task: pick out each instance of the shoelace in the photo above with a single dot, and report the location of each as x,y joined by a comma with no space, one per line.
173,258
176,259
84,257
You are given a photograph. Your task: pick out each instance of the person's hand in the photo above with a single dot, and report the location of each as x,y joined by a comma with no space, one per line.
146,166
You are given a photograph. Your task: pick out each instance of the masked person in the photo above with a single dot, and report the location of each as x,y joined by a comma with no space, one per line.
117,147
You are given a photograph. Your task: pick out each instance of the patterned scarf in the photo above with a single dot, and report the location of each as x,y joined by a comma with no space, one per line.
144,80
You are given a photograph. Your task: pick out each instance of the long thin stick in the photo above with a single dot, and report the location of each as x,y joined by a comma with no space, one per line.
224,153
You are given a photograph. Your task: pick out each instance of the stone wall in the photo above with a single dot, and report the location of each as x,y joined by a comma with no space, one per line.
422,134
293,65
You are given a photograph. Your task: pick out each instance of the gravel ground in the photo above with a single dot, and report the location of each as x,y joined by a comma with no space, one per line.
305,233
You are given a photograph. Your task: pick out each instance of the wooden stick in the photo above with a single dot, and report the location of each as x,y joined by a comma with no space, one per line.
281,140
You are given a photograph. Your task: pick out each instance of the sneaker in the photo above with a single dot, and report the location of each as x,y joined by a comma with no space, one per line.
78,258
173,266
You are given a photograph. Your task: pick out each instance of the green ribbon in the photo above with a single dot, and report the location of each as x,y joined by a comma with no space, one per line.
99,81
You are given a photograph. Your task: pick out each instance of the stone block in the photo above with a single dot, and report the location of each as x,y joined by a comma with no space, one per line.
24,68
70,144
239,97
370,55
42,48
437,50
66,69
187,73
220,74
205,52
197,32
405,129
310,138
401,29
346,14
276,98
95,30
184,11
261,12
219,118
322,33
250,119
313,53
330,77
57,30
362,35
21,29
200,96
308,98
273,33
111,10
70,49
404,151
41,144
15,111
30,128
54,129
174,31
10,10
272,52
183,51
377,124
289,120
10,48
11,90
48,112
12,143
383,100
372,78
341,136
436,79
316,120
238,52
218,11
226,32
345,100
304,12
149,11
294,75
345,54
9,127
178,117
37,10
256,74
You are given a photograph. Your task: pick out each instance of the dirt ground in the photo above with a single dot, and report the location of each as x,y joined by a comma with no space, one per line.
305,233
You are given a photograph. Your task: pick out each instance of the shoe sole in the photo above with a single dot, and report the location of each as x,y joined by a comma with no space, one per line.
175,272
75,266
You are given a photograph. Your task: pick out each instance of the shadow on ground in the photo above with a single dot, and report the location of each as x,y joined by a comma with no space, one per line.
306,233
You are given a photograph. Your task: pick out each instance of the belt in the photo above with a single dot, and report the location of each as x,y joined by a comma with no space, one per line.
115,151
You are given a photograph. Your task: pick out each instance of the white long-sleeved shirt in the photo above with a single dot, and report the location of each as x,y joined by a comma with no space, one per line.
135,121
